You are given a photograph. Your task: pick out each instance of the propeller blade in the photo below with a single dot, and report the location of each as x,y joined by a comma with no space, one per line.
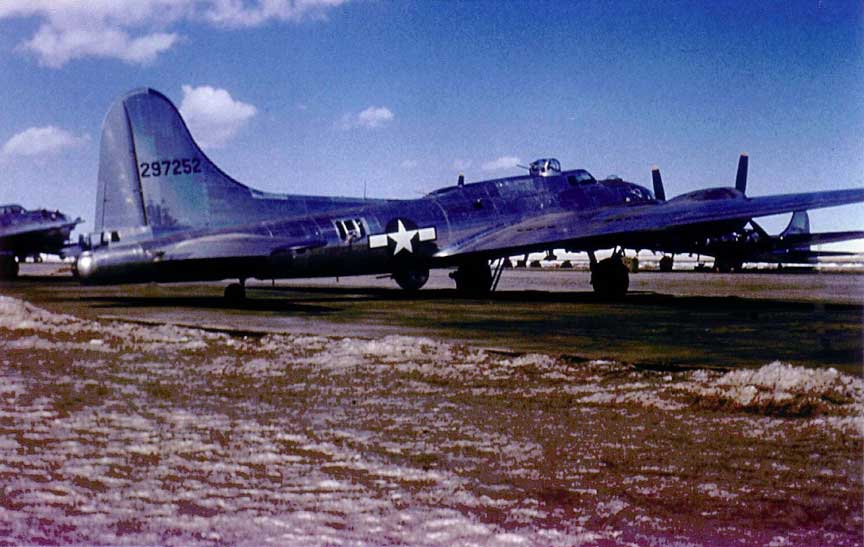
659,192
741,178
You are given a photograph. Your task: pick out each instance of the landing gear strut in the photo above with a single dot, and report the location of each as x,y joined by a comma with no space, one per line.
609,277
236,292
473,278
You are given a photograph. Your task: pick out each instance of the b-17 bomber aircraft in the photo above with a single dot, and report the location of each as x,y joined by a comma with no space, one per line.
751,243
166,213
792,246
26,233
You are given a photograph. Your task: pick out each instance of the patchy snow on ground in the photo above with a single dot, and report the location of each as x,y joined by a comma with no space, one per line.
779,389
116,433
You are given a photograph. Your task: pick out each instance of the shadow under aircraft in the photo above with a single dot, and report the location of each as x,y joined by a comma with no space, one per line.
166,213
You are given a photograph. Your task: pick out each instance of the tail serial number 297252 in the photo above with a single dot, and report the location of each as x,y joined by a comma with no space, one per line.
183,166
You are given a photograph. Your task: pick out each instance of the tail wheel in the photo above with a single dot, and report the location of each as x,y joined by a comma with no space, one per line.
8,267
411,279
610,278
473,277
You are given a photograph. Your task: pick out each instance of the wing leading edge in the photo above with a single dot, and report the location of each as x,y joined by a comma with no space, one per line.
644,226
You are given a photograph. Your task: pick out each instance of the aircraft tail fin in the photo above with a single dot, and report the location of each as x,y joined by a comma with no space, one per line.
799,225
153,174
154,179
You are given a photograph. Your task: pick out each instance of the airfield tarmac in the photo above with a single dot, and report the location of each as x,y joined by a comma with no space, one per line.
702,410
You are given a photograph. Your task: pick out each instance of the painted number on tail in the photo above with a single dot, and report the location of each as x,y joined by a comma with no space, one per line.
163,168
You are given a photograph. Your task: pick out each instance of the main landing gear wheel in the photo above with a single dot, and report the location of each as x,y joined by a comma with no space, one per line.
666,263
411,279
610,278
728,265
8,267
235,292
473,278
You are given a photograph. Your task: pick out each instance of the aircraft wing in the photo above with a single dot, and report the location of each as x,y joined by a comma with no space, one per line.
27,229
28,239
638,225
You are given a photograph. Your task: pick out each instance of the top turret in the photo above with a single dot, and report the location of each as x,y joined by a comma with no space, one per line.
544,167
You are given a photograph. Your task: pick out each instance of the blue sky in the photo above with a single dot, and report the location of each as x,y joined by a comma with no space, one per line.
329,96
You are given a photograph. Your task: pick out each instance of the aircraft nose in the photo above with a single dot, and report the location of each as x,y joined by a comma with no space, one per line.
85,265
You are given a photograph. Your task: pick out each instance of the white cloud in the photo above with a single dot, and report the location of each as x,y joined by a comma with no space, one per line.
504,162
55,48
128,30
409,164
241,13
372,117
38,141
135,31
213,116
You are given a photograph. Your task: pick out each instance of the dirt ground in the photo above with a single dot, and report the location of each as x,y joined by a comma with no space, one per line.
334,414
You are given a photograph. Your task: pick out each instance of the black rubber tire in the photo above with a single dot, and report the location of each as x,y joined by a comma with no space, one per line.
666,263
411,279
728,266
235,292
473,278
610,278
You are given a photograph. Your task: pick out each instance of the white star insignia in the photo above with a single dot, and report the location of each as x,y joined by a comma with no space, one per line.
403,238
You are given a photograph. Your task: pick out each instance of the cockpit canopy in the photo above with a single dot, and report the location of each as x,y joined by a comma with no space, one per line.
545,167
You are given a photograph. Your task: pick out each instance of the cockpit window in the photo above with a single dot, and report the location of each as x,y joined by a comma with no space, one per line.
580,177
350,229
635,193
11,209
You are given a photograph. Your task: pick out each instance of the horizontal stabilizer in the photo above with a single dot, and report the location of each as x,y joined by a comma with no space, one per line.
798,236
234,245
801,240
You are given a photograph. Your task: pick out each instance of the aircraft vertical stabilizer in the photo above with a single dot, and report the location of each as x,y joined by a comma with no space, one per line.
798,225
119,203
152,173
154,178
